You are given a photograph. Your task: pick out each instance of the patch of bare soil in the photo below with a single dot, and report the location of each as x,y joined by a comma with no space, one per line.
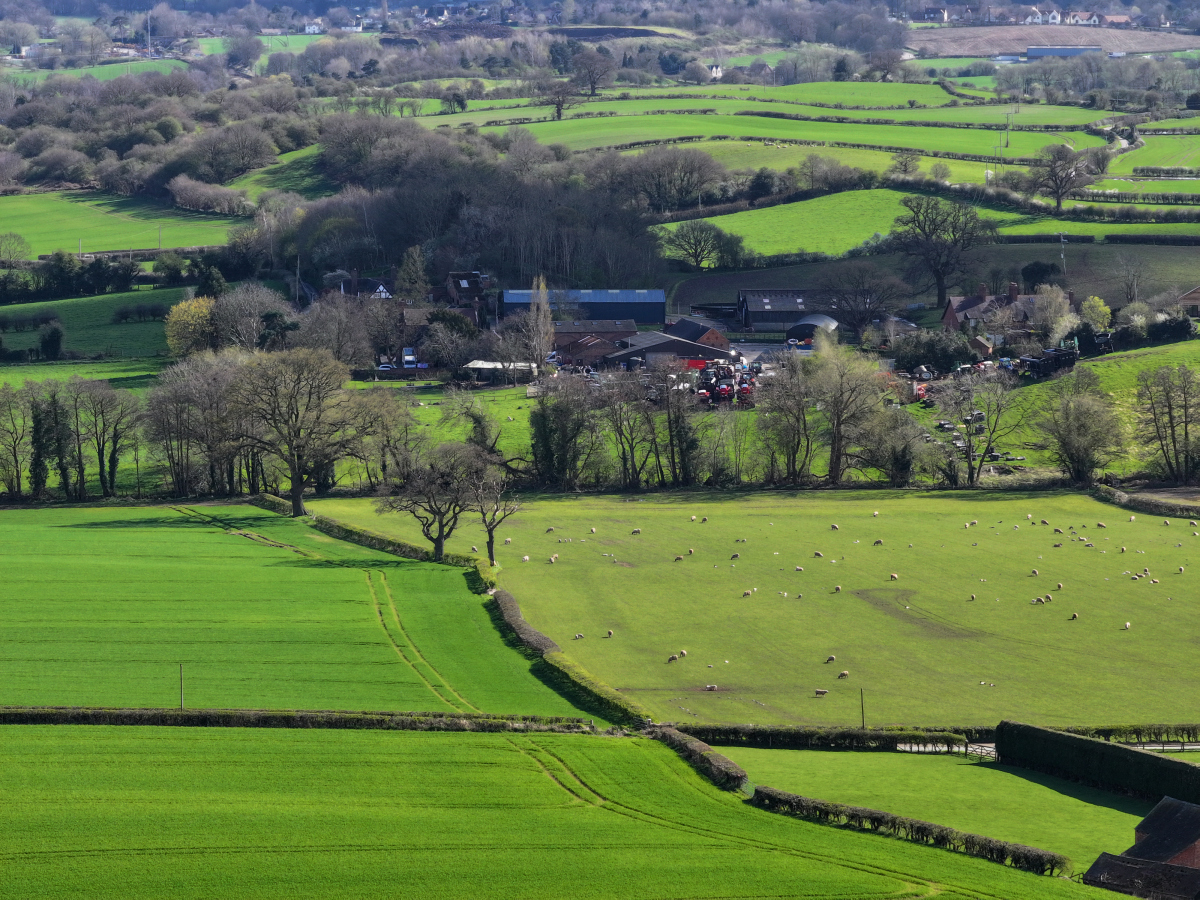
990,40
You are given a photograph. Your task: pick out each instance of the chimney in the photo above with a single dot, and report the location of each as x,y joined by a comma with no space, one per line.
983,292
1071,300
1012,292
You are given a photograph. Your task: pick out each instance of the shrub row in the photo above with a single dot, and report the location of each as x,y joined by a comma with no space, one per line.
1146,505
526,634
203,197
611,704
140,312
265,718
814,737
720,770
1179,240
27,323
1142,734
1096,762
1181,199
1165,170
1043,239
1030,859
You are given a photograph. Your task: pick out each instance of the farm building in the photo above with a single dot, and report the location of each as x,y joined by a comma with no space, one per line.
1033,53
1164,861
936,14
650,348
646,307
698,332
1191,302
587,342
973,311
806,328
769,310
369,288
466,287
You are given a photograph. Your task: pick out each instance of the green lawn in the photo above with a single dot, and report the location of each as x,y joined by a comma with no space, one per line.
582,134
107,71
102,605
88,326
919,646
1160,150
59,221
838,222
134,813
135,375
1002,802
298,172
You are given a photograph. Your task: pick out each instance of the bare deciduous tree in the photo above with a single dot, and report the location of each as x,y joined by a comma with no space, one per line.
1169,420
436,493
990,408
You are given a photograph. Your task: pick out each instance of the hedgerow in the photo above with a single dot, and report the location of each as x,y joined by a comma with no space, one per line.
1030,859
814,737
720,770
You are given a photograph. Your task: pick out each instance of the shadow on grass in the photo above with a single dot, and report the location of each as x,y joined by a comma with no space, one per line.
1134,806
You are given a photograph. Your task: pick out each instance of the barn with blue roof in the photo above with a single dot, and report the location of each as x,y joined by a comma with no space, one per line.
646,307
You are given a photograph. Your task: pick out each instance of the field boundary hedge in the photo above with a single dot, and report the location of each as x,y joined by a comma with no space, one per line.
613,705
720,770
816,737
375,541
1096,762
263,718
1146,505
1019,856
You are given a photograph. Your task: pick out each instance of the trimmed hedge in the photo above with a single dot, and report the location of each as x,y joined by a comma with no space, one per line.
1096,762
720,770
265,718
611,704
1140,734
1019,856
271,503
813,737
527,635
1179,240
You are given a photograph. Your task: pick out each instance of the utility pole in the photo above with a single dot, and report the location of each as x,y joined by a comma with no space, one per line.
181,687
159,237
862,706
298,280
1062,253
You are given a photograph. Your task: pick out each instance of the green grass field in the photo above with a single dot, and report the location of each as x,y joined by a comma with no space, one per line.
135,375
918,646
102,605
88,326
1160,150
983,798
298,172
107,71
59,221
196,813
582,134
838,222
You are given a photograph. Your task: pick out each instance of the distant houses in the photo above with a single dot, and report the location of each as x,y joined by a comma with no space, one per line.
646,307
1164,861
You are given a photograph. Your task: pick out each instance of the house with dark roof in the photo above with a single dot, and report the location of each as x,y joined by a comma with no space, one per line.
975,310
1164,861
698,332
1191,302
586,342
466,288
646,307
649,348
769,310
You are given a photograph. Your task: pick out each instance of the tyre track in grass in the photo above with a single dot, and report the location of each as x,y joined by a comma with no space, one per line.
929,888
387,590
433,689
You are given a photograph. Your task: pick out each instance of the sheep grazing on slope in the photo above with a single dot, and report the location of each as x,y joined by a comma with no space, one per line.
831,659
821,692
672,658
1128,626
1028,516
507,541
474,549
637,531
1181,570
1060,586
746,593
876,516
736,556
679,559
1166,521
524,559
833,527
819,554
550,529
1044,522
1035,571
1074,616
1131,518
552,560
579,637
593,531
845,673
1101,525
894,577
972,596
682,653
610,632
705,519
1058,545
693,518
799,568
1122,549
1058,531
877,544
710,687
837,589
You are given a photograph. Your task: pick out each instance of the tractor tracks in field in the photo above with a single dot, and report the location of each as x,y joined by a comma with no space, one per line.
216,522
406,649
561,773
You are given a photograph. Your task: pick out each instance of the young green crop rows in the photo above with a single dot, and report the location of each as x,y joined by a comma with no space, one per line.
101,606
196,813
922,649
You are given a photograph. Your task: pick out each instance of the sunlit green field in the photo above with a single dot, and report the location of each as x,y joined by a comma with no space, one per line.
918,646
1160,150
298,172
983,798
197,813
88,325
96,222
101,606
108,71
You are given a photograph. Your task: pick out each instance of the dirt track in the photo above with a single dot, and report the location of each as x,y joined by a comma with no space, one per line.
990,40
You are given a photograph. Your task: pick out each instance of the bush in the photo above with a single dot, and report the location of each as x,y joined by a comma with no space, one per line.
720,770
526,634
50,340
1096,762
188,193
942,351
815,737
612,705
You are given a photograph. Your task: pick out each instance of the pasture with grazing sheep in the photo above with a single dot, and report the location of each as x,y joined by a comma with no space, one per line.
918,647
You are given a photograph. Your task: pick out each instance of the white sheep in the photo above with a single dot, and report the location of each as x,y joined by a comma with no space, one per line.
579,637
637,531
819,555
837,589
894,577
833,527
1181,570
746,593
821,692
691,551
1028,516
679,559
1044,522
1166,521
705,519
1060,586
524,559
845,673
799,568
593,531
610,632
474,549
1035,571
877,544
507,541
876,514
552,560
1074,616
1101,525
1058,531
972,596
693,518
1131,518
831,659
672,658
710,687
550,529
683,653
1128,626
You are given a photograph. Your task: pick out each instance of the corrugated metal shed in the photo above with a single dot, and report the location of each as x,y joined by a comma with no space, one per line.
646,307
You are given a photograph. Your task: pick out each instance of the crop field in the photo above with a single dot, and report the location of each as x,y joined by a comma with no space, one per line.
782,156
195,813
298,172
1149,185
1183,122
983,798
88,327
59,221
135,375
991,40
838,222
581,134
107,71
101,606
1160,150
921,649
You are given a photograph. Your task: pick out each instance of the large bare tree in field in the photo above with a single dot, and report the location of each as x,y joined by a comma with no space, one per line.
1169,420
302,416
437,491
936,234
991,408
